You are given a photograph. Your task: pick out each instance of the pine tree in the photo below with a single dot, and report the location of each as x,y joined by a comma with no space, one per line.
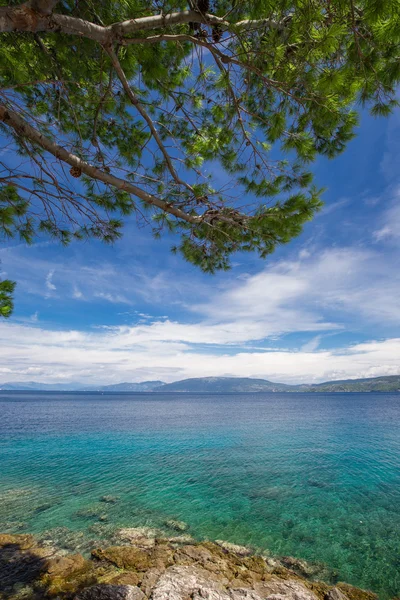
116,108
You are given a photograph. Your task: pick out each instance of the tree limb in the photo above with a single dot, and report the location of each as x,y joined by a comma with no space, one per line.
135,101
22,127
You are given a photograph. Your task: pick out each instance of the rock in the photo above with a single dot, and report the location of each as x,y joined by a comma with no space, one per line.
111,592
177,525
290,589
63,566
126,578
143,537
103,518
244,594
22,541
150,579
109,499
235,548
301,567
181,539
335,594
124,557
182,582
354,593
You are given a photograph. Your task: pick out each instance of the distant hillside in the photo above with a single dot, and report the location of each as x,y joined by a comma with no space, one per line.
41,387
247,384
373,384
143,386
224,385
218,385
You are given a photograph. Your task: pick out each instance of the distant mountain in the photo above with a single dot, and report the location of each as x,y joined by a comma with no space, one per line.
390,383
249,385
224,385
40,387
218,385
143,386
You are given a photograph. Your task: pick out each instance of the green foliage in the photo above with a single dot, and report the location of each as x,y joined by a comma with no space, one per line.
255,103
6,297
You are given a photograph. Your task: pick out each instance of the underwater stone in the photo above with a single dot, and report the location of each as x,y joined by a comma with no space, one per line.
177,525
235,548
109,499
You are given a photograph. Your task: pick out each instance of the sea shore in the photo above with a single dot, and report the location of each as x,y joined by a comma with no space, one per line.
141,563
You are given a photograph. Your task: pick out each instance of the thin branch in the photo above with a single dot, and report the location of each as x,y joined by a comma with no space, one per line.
22,127
135,101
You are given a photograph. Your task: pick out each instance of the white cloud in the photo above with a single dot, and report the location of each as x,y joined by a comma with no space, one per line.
390,222
316,293
106,356
49,283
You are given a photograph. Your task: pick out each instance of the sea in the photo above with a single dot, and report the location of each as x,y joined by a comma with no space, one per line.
313,476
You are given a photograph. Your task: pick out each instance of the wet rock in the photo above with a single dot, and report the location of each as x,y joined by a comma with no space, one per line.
182,582
335,594
109,499
235,548
290,589
111,592
177,525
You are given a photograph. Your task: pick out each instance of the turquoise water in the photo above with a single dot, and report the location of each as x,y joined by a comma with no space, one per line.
316,476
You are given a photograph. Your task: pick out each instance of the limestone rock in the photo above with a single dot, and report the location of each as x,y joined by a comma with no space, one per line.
277,589
244,594
335,594
180,583
111,592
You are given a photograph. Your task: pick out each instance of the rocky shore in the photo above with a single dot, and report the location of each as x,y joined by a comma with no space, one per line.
142,564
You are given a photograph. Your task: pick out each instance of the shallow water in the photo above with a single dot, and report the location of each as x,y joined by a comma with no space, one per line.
316,476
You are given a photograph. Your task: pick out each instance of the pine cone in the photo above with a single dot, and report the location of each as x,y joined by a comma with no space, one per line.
75,171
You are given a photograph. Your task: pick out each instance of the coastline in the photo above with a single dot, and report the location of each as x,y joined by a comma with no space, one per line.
140,563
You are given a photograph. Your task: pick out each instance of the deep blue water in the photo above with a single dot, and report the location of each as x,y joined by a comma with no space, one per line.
316,476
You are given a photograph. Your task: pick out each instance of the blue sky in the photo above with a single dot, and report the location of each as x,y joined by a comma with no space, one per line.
326,306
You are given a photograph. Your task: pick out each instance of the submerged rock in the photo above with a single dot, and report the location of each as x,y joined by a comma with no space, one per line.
177,525
111,592
240,550
109,499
